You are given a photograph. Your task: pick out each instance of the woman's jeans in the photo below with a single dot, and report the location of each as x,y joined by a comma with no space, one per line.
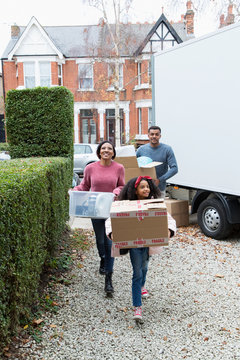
104,244
139,259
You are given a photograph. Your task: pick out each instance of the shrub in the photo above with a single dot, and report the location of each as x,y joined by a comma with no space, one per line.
39,122
4,147
33,213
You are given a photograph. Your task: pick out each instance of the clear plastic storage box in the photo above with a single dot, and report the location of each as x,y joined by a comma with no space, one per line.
90,204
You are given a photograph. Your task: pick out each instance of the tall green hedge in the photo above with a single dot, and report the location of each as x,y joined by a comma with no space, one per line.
39,122
4,147
33,214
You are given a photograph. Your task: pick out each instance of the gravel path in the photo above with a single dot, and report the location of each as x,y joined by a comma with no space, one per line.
192,313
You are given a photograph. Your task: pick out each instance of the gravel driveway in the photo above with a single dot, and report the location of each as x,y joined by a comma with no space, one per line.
192,313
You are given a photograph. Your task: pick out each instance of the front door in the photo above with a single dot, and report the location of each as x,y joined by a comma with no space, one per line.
111,130
110,118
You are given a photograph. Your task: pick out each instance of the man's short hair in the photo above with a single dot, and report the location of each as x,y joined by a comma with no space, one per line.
154,127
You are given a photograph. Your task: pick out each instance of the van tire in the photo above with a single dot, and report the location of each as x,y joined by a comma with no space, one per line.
212,219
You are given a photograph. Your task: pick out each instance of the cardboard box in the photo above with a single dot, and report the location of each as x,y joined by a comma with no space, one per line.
132,169
179,209
95,205
140,223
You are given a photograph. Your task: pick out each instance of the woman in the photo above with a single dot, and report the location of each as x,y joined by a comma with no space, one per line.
104,175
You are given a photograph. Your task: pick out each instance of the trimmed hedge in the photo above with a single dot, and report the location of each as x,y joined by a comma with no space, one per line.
4,147
39,122
33,211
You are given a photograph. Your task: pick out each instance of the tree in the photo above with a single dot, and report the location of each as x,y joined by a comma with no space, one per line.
118,12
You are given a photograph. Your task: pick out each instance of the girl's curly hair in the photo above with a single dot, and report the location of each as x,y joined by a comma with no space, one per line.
128,192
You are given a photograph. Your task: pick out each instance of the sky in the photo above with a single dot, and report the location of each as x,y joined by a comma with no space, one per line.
78,12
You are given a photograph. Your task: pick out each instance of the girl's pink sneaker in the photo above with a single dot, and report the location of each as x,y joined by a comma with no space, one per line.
138,313
144,293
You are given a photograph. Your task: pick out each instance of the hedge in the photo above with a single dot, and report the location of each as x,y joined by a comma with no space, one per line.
39,122
33,212
4,147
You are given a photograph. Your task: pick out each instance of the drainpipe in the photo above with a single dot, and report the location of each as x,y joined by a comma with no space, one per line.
3,81
4,98
153,90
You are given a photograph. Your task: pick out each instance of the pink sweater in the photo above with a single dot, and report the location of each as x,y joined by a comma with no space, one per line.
102,178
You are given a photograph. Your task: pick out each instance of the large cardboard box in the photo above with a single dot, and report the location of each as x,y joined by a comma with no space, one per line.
179,209
139,223
132,169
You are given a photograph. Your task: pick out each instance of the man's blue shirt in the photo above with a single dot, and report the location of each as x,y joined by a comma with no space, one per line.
164,154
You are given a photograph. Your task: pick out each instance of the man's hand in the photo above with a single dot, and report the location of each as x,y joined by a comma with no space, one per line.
157,182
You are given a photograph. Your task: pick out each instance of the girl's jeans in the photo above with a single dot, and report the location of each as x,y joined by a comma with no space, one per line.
139,259
104,244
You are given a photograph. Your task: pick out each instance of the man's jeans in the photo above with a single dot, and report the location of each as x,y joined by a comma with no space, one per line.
139,259
104,244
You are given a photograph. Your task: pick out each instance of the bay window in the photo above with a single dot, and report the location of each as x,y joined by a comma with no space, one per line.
37,73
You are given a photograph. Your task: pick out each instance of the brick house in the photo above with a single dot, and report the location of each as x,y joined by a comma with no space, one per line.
81,59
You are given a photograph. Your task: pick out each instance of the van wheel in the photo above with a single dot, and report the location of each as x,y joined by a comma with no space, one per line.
212,219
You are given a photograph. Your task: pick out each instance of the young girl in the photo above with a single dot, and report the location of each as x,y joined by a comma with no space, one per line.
142,188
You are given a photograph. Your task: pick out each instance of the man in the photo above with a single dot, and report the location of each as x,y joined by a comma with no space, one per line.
159,152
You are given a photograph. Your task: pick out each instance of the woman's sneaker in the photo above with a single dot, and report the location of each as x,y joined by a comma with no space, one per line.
144,293
138,313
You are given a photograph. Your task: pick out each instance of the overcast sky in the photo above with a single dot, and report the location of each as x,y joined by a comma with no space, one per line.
77,12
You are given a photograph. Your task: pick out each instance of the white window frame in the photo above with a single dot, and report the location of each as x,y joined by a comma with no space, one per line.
110,67
60,77
150,121
37,75
140,121
139,73
89,77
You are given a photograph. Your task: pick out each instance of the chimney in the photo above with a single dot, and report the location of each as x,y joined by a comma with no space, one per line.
101,22
189,18
222,21
230,16
15,31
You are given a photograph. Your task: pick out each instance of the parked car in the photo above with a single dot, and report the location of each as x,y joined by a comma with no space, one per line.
84,154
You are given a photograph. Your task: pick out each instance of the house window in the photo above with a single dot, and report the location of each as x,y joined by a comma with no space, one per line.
29,75
88,127
150,117
140,121
111,75
60,82
37,73
149,72
85,72
45,73
139,73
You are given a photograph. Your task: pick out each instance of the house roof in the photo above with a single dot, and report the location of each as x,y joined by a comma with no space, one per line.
95,40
